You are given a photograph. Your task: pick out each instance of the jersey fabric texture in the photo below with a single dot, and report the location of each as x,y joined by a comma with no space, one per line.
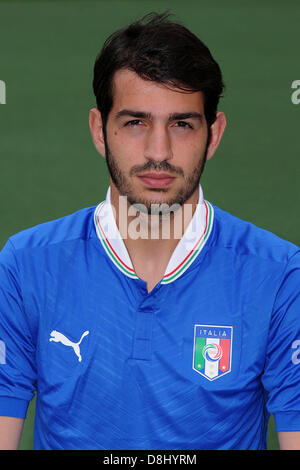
197,363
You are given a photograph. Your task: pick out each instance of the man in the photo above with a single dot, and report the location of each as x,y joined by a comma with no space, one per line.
154,320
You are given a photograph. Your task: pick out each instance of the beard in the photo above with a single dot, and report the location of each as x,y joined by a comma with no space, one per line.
122,183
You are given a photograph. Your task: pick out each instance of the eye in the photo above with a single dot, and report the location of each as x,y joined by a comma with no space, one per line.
184,124
135,122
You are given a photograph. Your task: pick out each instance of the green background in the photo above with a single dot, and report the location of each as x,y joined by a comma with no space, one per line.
48,164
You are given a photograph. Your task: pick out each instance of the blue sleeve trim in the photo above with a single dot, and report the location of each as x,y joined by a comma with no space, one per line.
287,421
14,407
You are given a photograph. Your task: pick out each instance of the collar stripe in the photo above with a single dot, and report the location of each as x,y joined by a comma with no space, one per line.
193,249
197,248
108,248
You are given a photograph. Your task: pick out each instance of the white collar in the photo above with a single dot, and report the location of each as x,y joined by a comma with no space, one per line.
186,251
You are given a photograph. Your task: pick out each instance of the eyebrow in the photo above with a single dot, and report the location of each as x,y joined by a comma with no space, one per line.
171,117
187,115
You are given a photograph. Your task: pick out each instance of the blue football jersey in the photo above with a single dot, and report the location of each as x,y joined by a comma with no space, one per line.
199,362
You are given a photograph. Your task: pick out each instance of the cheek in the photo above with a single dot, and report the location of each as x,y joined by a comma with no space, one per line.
125,149
190,154
123,156
189,143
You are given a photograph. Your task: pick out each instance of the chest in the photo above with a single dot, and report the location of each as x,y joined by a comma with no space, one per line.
107,349
188,328
150,271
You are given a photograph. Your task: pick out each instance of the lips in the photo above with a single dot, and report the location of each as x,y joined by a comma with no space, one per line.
157,180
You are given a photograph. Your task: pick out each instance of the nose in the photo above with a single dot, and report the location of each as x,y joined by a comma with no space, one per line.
158,145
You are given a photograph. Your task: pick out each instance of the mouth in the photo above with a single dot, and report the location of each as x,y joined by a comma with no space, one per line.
157,180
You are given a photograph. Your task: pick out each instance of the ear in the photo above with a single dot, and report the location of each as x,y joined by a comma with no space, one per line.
96,128
216,131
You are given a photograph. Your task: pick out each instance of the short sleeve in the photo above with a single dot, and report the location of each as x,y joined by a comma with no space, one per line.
17,351
281,378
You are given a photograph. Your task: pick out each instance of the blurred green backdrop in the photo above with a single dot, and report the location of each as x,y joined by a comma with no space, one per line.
48,165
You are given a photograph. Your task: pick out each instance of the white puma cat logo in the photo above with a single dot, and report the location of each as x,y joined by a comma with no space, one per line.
58,337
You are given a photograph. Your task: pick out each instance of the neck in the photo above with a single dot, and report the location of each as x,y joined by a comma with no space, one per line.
150,240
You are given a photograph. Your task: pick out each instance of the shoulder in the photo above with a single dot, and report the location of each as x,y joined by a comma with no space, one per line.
243,238
72,227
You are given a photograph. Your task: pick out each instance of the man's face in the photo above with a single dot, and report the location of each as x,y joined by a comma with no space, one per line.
156,140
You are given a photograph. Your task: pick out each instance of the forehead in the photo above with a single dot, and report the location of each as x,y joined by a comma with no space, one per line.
133,92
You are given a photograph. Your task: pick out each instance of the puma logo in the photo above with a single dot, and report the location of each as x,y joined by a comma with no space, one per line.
58,337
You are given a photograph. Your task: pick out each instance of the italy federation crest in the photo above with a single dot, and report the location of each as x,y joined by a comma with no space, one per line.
212,350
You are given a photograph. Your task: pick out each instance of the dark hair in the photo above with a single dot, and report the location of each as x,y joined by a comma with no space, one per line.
161,51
